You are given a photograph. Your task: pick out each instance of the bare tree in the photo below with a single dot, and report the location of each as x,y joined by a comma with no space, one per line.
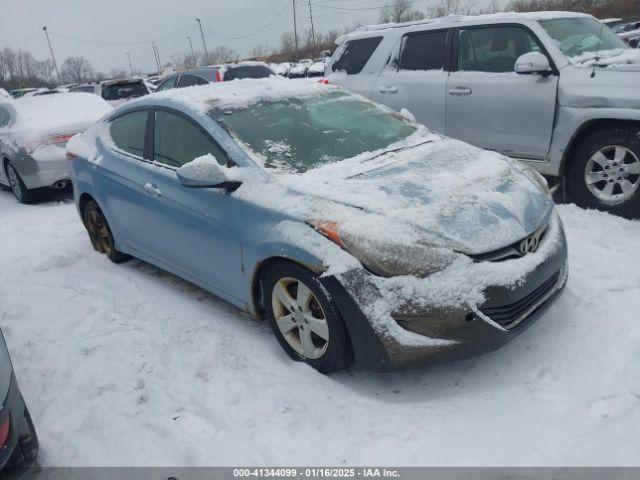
219,54
401,11
76,70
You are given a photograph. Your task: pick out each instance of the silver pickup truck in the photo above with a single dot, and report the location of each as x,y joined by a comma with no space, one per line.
558,91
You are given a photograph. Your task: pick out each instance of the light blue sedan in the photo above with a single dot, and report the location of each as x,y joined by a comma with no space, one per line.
357,233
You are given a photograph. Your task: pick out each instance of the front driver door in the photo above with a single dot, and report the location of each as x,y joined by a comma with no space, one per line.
491,106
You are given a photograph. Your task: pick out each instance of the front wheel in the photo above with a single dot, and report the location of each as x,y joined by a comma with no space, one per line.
100,233
605,172
305,320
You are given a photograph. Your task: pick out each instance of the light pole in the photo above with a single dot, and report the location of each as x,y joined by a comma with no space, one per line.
313,33
295,29
158,54
130,66
191,45
203,42
52,56
155,57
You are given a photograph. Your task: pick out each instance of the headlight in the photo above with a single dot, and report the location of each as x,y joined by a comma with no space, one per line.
388,259
536,178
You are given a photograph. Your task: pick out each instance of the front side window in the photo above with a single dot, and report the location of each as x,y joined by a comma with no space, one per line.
298,134
355,55
575,36
168,83
177,141
127,132
424,51
493,49
190,81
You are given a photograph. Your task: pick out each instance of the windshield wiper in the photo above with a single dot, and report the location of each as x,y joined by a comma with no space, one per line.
396,150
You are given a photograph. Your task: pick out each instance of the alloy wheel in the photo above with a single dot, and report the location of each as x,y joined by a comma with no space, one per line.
612,174
98,231
300,318
14,182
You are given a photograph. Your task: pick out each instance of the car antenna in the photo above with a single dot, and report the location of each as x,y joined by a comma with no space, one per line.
595,60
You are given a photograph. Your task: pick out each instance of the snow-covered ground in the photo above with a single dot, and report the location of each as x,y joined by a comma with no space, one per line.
127,365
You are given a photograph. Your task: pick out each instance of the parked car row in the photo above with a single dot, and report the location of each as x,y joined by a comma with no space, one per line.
556,91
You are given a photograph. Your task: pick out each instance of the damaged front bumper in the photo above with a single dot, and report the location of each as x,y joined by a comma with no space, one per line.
427,334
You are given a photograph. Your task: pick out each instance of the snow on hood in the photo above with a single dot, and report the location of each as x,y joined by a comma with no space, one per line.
619,58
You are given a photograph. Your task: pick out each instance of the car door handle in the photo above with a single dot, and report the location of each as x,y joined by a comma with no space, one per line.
150,187
388,89
460,91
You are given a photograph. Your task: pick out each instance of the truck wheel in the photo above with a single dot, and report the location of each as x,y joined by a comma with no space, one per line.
605,172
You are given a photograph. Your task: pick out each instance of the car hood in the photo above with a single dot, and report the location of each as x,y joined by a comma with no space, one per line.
441,191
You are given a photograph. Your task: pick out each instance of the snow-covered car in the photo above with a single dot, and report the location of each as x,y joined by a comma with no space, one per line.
18,437
116,92
4,94
33,135
554,90
216,73
631,38
299,69
20,92
316,69
356,232
281,69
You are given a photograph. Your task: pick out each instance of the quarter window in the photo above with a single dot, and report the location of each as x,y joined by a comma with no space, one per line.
493,49
128,131
178,141
424,51
356,54
190,81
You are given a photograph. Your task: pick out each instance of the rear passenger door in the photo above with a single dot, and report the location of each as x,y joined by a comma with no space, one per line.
417,79
491,106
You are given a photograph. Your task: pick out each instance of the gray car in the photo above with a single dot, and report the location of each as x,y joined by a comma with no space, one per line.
558,91
33,134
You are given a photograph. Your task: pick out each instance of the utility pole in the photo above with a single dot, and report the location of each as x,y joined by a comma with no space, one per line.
191,45
313,33
203,42
52,57
159,62
130,66
295,29
155,57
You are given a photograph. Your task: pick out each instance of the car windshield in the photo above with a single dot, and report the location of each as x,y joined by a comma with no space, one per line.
575,36
299,134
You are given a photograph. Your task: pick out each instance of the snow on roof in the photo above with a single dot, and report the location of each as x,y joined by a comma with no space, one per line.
238,93
45,112
548,15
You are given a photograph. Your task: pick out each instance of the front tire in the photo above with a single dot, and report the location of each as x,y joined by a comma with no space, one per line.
19,189
100,233
304,318
605,172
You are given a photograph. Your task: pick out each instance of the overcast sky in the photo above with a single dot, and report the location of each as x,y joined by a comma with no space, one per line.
93,27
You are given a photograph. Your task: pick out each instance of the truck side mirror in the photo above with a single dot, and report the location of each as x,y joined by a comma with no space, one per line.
532,62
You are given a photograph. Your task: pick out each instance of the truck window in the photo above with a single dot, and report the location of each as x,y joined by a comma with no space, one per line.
493,49
356,54
424,51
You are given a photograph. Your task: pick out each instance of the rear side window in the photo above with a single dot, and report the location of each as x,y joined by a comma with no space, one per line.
127,132
493,49
247,71
355,55
88,89
4,118
168,83
177,141
424,51
190,81
121,91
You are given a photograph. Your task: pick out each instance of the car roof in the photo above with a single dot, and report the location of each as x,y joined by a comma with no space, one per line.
458,21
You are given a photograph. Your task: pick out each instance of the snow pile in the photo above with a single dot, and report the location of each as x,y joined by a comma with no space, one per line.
120,364
619,58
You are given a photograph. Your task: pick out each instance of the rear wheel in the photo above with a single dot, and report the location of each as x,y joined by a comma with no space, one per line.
100,233
304,318
20,191
605,172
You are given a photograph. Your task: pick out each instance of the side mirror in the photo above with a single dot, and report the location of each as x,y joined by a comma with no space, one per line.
532,62
206,172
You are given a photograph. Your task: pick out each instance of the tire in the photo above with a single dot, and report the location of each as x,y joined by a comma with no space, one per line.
311,330
17,186
100,234
605,172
